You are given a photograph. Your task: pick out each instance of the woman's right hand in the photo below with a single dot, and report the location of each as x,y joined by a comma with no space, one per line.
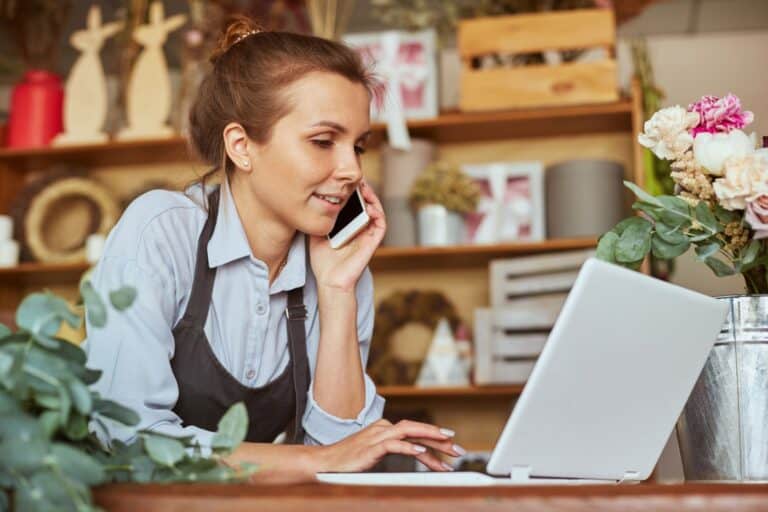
362,450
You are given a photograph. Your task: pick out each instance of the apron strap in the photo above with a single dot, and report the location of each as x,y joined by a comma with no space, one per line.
296,313
202,285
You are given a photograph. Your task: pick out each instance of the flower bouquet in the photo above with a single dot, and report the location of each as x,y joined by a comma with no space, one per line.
720,204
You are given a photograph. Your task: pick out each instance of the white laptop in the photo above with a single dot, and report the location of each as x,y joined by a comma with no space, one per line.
605,394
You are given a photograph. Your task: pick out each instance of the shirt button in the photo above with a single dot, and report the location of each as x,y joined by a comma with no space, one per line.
261,308
251,374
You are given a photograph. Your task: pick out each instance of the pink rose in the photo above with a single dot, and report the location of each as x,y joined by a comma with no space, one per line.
757,216
720,114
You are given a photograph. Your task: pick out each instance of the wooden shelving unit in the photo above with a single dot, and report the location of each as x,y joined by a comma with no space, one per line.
449,127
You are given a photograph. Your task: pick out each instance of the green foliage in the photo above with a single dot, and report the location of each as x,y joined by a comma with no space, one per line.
48,457
445,184
668,226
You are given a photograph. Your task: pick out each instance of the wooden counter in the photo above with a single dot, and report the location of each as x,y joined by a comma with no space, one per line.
316,497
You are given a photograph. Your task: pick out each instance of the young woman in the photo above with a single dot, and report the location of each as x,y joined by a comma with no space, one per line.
240,296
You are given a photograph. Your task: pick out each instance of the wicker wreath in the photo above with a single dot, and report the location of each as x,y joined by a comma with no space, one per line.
38,200
399,309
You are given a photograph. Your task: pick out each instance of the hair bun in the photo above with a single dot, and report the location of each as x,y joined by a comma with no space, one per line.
238,28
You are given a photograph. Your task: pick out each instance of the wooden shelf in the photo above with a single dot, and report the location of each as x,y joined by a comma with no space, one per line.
386,258
448,127
407,258
452,392
33,274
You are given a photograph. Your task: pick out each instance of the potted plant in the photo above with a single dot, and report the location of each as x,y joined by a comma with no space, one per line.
49,457
441,195
720,208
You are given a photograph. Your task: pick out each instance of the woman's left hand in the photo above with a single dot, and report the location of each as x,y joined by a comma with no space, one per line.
341,268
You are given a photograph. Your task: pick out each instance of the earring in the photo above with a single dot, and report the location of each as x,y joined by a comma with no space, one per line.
246,163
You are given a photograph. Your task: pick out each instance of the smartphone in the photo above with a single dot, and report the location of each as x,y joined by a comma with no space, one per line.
350,221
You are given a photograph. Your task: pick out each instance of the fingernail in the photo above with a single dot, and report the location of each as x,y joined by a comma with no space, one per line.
419,448
447,432
447,466
458,449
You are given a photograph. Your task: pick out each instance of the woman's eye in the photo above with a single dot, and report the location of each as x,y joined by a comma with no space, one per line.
323,143
359,150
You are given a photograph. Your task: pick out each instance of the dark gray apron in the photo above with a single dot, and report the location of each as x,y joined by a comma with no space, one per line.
207,389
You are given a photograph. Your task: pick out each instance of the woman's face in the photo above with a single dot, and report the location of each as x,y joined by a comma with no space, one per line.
310,166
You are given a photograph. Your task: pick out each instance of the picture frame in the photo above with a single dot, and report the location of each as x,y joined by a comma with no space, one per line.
413,68
511,207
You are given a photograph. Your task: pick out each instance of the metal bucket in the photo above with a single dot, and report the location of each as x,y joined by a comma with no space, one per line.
723,430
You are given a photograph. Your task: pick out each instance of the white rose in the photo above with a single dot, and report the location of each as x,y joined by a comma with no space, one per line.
667,132
745,179
711,150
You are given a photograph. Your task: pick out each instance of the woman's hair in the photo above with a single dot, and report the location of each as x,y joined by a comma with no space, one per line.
251,68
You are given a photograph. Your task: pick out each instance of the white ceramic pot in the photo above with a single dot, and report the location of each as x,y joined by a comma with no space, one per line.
439,226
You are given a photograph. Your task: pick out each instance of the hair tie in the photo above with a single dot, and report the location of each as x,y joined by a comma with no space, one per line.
243,36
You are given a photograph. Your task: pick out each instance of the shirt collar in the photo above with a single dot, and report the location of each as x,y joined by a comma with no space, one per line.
229,243
294,274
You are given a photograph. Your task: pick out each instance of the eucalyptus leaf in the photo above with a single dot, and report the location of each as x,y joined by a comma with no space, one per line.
142,469
81,396
676,212
671,234
43,313
49,422
61,490
123,298
726,216
650,210
163,450
635,242
232,428
706,218
76,428
642,194
705,251
750,253
78,465
65,405
720,268
48,401
117,412
666,251
94,306
23,443
31,497
624,224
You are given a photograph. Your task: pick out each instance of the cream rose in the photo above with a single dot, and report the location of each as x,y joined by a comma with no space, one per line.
711,150
667,132
745,179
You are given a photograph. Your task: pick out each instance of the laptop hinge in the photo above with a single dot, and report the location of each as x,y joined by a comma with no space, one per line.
520,473
630,477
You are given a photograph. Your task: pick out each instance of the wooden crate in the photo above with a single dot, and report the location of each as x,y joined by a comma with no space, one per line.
538,85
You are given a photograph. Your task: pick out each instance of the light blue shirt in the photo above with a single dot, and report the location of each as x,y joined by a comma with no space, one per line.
153,248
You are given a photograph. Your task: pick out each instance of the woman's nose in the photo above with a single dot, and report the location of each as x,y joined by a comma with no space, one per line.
349,169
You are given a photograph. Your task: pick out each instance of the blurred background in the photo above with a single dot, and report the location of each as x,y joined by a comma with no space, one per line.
499,154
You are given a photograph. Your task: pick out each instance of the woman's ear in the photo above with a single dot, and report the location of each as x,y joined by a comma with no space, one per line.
236,143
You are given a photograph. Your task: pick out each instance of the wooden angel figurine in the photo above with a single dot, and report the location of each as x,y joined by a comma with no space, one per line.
148,101
85,100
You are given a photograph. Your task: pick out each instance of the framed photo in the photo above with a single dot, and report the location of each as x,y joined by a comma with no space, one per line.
412,66
511,206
